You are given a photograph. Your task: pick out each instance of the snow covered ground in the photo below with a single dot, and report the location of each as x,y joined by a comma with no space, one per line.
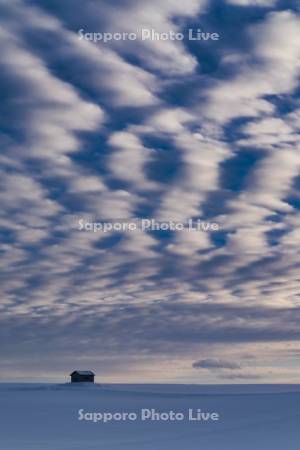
45,417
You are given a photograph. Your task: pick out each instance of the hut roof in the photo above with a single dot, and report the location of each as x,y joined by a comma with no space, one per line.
82,372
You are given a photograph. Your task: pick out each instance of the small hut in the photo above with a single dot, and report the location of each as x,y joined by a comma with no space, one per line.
82,376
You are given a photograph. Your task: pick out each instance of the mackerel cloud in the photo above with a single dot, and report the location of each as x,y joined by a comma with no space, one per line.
139,129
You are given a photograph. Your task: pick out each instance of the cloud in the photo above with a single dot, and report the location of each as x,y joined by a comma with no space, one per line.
211,363
166,56
260,76
263,3
129,158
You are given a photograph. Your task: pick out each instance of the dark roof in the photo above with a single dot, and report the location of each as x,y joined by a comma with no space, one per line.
82,372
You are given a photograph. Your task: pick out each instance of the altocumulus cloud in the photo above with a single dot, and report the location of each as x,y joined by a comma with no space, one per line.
166,129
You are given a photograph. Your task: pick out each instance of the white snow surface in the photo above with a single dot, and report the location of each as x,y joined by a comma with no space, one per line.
45,417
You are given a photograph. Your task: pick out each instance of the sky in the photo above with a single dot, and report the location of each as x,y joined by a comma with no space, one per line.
125,130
